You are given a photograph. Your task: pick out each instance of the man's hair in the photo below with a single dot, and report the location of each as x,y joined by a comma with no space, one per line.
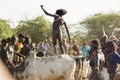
4,41
61,12
20,35
111,45
96,44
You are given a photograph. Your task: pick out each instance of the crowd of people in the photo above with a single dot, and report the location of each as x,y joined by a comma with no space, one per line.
14,50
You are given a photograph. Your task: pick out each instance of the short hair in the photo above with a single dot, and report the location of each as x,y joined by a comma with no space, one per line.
96,44
8,40
13,38
4,41
27,40
20,35
61,12
111,45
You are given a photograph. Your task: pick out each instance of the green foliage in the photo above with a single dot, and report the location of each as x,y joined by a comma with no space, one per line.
38,29
5,30
95,23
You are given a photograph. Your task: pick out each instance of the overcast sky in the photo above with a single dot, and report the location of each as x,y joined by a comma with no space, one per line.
16,10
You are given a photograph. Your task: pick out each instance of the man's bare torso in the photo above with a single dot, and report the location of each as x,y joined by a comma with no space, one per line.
57,24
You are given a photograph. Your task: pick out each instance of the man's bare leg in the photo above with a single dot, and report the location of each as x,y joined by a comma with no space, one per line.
55,49
61,47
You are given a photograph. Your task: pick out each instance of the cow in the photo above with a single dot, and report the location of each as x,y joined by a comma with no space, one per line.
59,67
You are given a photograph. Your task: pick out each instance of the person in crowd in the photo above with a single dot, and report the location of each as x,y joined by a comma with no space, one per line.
76,49
85,48
3,51
19,43
56,27
11,52
103,42
70,50
46,46
33,46
26,48
96,58
40,47
112,59
65,45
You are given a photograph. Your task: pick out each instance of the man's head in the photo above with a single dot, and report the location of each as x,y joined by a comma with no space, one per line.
4,42
13,39
111,45
95,44
21,37
84,42
61,12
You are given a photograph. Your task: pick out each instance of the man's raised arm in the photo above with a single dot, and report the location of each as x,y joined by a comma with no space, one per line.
46,11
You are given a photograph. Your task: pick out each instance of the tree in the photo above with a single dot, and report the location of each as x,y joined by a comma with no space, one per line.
5,29
38,29
95,23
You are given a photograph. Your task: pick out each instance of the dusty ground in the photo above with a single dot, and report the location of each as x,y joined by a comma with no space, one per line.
4,73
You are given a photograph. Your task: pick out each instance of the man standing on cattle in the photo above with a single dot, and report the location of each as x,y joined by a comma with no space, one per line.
57,24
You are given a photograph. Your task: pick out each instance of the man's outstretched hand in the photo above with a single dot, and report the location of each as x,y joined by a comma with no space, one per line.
41,6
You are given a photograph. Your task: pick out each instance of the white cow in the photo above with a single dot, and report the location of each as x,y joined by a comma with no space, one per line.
48,68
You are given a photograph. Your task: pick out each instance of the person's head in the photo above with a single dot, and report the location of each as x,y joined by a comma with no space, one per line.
41,43
84,42
21,37
46,41
95,44
8,40
4,42
111,46
61,12
103,40
27,41
13,39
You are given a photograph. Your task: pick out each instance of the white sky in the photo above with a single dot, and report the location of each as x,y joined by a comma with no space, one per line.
16,10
